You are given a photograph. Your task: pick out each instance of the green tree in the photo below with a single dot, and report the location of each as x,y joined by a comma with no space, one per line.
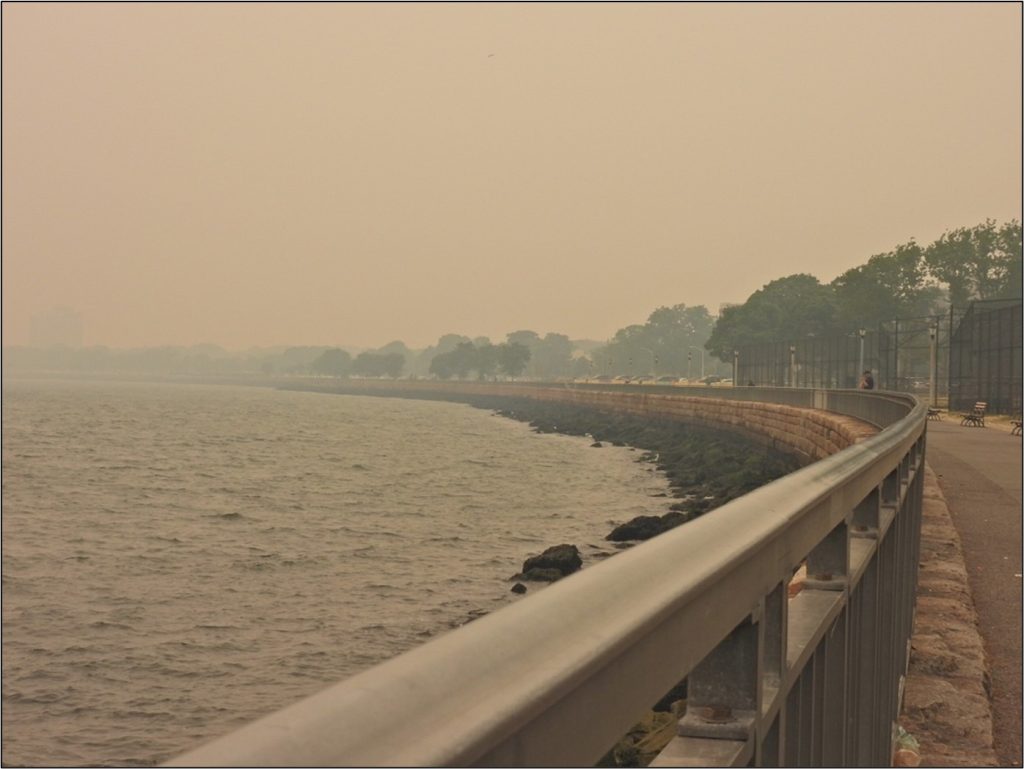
486,359
334,362
529,339
661,345
464,359
392,364
890,285
786,309
374,364
442,365
513,358
1009,250
447,343
551,356
980,262
398,347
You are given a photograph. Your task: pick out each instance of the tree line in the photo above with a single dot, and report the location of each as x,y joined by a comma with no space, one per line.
980,262
910,281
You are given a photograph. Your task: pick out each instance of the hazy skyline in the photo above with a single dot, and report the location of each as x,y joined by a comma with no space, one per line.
264,174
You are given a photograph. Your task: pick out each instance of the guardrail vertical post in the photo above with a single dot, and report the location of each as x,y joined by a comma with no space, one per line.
828,565
891,489
772,644
722,689
886,680
866,515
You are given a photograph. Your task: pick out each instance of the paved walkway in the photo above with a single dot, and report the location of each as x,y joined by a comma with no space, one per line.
979,471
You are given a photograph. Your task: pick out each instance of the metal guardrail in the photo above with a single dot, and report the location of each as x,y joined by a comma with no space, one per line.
556,679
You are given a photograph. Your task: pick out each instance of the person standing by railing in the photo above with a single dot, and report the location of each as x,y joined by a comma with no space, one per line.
867,382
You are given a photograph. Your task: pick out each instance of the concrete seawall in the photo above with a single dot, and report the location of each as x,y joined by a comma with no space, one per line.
806,433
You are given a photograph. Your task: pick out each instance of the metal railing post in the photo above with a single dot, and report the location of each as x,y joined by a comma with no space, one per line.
722,690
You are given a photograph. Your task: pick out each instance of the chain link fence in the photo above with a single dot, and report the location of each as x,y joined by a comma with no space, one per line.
966,355
985,357
833,362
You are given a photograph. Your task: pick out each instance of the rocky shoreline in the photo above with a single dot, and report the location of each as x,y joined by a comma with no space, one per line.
704,468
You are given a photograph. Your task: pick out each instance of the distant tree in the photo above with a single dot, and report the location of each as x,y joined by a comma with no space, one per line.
551,356
661,345
449,342
334,362
789,308
374,364
393,363
486,360
442,365
394,347
513,358
421,364
981,262
529,339
464,359
398,347
890,285
581,366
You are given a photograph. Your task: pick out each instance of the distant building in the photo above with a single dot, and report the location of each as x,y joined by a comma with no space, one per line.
59,327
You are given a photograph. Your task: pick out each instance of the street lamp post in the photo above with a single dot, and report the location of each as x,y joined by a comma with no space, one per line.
792,365
735,366
860,358
933,332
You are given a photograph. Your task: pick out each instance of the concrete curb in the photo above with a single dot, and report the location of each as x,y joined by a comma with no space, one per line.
946,703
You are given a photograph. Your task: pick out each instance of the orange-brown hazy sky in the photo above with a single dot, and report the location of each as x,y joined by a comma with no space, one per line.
261,174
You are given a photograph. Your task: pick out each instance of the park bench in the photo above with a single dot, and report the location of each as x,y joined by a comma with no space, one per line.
934,413
976,416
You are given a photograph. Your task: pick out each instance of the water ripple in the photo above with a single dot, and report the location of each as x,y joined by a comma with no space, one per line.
179,560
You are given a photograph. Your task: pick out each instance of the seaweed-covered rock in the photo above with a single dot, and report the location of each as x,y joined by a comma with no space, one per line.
541,575
646,526
562,559
519,587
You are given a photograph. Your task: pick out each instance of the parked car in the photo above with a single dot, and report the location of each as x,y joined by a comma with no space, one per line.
668,380
622,379
602,379
644,380
711,379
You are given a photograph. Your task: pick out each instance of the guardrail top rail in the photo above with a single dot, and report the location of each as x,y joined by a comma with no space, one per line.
557,678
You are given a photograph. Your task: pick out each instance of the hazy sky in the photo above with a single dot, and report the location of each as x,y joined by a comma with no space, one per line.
318,174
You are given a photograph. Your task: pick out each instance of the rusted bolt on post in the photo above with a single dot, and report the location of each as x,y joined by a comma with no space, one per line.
716,714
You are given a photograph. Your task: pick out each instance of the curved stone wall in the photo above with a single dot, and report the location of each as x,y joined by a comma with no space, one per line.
810,434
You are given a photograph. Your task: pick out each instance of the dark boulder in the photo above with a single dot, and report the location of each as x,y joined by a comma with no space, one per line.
541,575
519,587
596,445
646,526
564,559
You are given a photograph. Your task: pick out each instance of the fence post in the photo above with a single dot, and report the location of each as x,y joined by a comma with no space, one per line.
933,332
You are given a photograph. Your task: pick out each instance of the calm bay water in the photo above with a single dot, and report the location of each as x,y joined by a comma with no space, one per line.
179,560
